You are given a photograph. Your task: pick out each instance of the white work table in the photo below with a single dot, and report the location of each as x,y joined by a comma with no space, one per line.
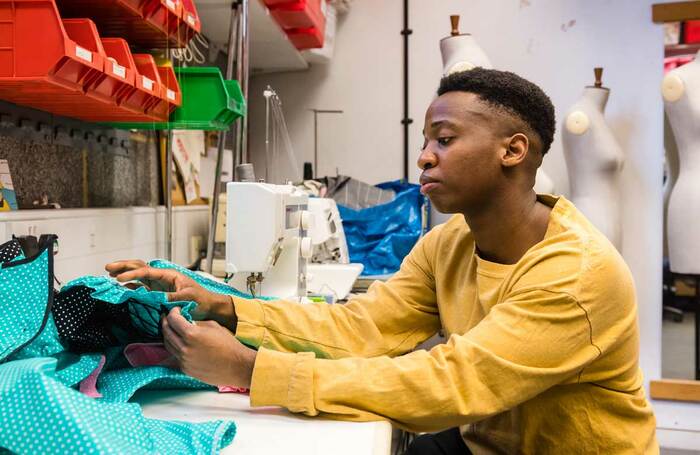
271,430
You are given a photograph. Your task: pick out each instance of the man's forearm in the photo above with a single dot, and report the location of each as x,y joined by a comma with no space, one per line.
224,312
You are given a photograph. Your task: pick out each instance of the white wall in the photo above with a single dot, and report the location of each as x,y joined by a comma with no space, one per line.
554,43
364,80
90,238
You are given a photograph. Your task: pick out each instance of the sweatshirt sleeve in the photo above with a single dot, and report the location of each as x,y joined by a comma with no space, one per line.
525,345
390,319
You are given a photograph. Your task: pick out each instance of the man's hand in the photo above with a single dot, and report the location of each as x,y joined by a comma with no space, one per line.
178,287
207,351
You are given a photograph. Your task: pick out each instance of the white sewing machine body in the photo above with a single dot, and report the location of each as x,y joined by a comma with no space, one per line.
330,271
267,247
327,233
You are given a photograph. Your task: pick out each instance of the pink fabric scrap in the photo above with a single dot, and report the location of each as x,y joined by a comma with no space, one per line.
231,389
149,354
88,386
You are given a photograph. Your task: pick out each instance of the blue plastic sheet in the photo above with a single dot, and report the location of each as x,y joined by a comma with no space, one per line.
380,237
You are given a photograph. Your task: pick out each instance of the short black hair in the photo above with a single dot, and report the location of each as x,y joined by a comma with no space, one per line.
505,90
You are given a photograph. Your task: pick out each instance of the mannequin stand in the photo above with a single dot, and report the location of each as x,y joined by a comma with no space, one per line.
696,302
688,301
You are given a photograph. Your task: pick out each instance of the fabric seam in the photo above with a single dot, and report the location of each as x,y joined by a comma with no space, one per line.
585,312
48,248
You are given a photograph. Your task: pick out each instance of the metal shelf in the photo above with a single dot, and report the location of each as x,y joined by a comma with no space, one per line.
673,50
675,12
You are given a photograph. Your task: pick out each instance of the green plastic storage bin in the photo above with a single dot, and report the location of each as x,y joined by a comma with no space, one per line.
208,103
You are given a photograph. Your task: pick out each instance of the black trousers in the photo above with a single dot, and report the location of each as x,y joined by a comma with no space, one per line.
448,442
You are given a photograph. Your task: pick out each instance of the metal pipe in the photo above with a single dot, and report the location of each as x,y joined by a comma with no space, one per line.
221,146
406,121
267,94
243,74
169,195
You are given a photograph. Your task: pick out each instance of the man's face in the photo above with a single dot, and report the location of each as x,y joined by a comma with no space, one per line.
460,156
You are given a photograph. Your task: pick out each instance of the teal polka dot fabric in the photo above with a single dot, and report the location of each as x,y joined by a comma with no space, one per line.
71,369
25,297
41,415
40,409
144,306
120,385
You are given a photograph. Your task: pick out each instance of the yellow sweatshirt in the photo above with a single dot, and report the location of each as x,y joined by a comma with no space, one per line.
542,355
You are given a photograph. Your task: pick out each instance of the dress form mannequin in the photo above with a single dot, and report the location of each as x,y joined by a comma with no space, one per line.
460,52
671,171
594,160
681,92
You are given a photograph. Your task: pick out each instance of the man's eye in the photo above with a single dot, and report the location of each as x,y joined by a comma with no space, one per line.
444,140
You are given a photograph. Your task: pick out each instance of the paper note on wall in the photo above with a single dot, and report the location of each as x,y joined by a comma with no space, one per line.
8,198
206,184
188,147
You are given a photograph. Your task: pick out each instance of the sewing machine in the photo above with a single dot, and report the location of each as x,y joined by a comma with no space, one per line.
267,246
281,243
330,272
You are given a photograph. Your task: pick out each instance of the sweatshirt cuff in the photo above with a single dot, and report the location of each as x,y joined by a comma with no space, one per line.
283,379
250,328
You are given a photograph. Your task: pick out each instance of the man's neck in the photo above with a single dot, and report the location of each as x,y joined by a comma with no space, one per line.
505,229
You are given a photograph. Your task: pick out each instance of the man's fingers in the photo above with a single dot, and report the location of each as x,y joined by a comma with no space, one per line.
117,267
180,296
171,340
179,324
163,277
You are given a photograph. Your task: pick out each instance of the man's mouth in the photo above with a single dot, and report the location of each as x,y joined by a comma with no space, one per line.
427,184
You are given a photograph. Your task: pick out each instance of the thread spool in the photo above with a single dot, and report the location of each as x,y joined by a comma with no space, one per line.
245,173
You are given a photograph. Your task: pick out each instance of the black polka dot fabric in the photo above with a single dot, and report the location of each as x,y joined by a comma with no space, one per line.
90,325
9,251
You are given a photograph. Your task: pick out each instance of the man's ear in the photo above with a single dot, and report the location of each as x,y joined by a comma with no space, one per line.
516,150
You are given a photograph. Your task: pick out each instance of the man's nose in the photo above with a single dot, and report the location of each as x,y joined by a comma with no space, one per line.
427,159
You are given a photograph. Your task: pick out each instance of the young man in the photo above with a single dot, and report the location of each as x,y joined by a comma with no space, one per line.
539,307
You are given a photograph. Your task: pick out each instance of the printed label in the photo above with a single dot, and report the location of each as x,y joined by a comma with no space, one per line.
171,95
170,4
191,20
119,70
148,83
83,53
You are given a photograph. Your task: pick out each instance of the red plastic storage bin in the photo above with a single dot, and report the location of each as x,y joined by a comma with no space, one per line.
140,102
691,32
164,14
68,70
118,12
47,69
299,14
190,23
119,72
83,31
148,91
171,97
145,23
306,38
270,3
